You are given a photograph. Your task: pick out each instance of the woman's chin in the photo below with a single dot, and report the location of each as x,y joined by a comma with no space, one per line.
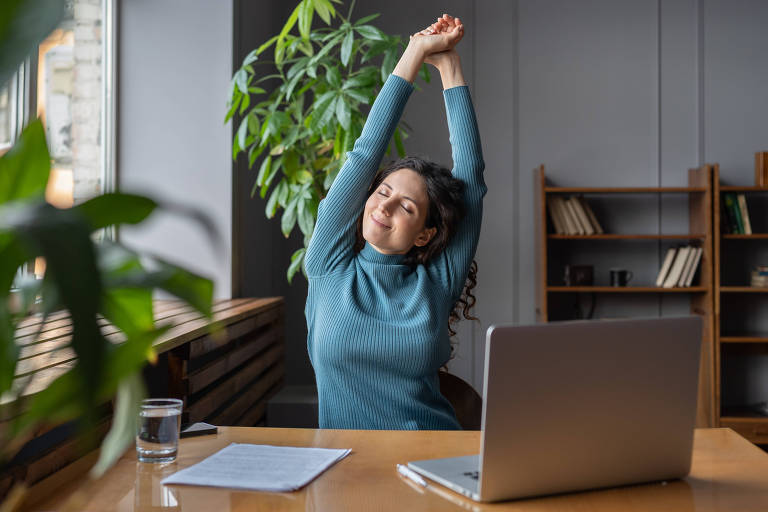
370,236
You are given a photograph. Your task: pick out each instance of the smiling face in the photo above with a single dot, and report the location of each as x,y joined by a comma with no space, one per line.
396,212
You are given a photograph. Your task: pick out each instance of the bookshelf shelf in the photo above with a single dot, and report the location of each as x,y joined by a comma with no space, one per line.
760,420
730,188
626,289
623,190
694,236
744,338
742,289
753,236
556,302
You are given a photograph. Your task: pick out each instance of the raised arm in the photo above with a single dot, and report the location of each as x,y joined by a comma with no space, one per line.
334,236
468,166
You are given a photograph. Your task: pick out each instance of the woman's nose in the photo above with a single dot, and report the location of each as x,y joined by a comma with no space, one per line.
386,206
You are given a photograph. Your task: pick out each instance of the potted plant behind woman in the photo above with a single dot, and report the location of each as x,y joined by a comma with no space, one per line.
313,111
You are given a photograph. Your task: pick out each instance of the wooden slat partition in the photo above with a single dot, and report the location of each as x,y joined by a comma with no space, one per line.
225,375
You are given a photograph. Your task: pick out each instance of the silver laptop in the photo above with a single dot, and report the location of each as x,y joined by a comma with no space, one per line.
571,406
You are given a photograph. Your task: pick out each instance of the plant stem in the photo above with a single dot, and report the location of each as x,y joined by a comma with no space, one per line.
349,14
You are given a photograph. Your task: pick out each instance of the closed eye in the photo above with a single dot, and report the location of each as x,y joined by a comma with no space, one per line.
404,208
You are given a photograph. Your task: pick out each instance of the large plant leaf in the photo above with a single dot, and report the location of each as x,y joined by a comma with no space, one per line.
346,47
62,237
25,168
196,290
23,25
296,260
306,13
9,351
115,208
122,434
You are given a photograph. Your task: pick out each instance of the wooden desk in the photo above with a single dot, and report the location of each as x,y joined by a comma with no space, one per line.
728,474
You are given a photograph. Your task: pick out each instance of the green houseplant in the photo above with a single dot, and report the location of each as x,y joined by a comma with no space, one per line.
313,111
88,279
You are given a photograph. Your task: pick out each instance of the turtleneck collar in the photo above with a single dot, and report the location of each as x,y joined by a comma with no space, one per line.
370,254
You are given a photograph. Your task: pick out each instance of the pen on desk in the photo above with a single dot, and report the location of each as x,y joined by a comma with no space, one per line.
411,475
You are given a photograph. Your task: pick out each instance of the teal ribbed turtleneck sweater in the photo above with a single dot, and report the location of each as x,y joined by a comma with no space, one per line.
377,328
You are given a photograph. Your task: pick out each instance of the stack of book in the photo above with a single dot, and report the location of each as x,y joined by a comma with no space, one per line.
679,266
734,215
573,216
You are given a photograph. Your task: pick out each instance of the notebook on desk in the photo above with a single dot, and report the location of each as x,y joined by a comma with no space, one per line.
570,406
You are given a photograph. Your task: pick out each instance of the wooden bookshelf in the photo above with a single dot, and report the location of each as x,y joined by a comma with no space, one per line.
753,236
744,338
731,188
552,248
729,338
623,190
625,289
612,236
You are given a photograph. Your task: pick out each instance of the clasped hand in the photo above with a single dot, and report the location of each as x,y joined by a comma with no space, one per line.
437,41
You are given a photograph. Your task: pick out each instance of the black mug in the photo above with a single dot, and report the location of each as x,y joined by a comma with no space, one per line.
620,277
578,275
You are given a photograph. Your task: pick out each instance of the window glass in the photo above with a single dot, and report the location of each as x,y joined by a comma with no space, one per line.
69,101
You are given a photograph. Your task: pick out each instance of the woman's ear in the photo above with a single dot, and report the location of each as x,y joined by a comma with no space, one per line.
424,237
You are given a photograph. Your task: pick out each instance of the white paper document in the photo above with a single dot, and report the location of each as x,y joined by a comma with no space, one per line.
259,467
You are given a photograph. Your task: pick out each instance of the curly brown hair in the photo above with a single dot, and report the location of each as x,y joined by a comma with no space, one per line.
446,211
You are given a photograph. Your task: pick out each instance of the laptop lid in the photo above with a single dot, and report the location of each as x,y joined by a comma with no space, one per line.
580,405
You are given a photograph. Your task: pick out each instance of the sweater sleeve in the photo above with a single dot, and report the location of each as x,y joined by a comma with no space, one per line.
453,264
334,235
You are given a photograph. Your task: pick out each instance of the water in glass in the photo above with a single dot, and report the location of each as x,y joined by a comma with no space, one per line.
157,439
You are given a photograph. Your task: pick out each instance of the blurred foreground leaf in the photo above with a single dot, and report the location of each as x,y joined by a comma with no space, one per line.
23,25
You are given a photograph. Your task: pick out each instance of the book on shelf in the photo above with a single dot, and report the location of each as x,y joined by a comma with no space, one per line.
727,222
581,215
737,227
591,215
666,266
570,223
578,229
679,267
572,216
694,267
673,276
559,210
554,214
686,267
742,200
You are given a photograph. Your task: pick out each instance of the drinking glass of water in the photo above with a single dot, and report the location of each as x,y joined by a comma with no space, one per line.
157,436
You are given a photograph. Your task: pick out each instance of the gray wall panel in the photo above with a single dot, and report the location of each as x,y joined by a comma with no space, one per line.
735,92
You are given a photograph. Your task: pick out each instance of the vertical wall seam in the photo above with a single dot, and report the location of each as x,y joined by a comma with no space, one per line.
516,160
700,48
659,200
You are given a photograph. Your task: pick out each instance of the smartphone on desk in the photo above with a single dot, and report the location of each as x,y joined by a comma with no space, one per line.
197,429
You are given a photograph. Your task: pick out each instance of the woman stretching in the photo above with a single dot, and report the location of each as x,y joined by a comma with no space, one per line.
390,256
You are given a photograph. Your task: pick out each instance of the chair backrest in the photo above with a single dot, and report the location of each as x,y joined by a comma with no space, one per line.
466,402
